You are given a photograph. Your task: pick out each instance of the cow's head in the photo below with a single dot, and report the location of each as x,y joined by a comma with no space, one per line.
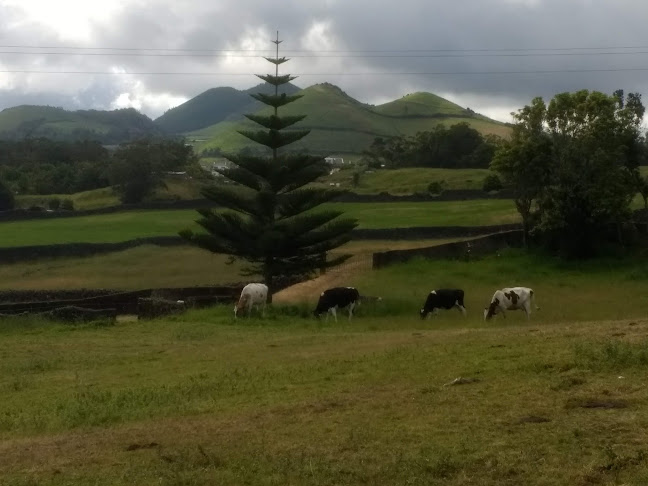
240,305
423,313
491,310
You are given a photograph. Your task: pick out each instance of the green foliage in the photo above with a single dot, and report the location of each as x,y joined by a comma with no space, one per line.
270,222
459,146
54,203
110,127
492,183
44,166
7,200
139,166
572,165
67,204
436,187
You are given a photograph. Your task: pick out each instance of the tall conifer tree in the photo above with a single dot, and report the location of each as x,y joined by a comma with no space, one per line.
269,220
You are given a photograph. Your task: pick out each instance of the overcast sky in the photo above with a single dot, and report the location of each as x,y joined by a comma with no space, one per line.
493,56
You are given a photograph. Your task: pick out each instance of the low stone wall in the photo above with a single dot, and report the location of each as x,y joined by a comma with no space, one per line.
36,301
449,195
461,249
15,254
427,232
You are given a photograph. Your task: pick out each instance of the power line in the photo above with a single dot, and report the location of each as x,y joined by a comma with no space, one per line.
437,73
324,50
336,56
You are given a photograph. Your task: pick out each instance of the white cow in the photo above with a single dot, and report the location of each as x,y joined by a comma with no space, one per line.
252,294
510,298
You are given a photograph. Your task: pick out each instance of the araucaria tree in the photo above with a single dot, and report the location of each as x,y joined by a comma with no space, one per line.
269,219
573,165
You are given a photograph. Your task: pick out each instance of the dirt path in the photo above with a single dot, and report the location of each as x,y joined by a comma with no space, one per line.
335,277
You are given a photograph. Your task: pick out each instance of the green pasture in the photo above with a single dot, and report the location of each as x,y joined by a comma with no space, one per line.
128,225
172,189
385,399
406,181
150,266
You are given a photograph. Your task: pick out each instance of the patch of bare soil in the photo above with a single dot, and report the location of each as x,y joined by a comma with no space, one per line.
336,277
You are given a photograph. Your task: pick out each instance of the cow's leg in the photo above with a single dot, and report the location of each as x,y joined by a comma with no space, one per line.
351,306
527,310
334,312
461,308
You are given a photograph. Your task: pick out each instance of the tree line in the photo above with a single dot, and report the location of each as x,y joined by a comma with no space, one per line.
456,147
45,166
573,164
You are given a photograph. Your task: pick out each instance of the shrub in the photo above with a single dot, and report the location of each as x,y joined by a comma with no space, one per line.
67,204
54,203
7,200
436,187
492,183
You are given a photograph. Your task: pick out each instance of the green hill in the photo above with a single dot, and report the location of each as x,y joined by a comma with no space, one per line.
340,124
56,123
213,106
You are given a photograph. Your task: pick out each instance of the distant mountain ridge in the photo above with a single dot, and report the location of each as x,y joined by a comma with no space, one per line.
114,126
214,106
341,124
338,122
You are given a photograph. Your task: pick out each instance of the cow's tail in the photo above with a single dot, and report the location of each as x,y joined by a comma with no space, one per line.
534,300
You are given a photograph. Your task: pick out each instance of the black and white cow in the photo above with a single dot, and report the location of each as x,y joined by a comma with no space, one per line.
443,299
510,298
337,298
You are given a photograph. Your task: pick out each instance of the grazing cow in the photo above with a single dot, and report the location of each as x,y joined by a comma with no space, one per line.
511,298
252,294
337,298
443,299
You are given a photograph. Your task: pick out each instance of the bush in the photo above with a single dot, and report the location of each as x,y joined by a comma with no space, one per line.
54,203
7,200
67,205
436,187
492,183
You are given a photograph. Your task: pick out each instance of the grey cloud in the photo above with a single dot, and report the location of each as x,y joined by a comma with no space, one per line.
360,25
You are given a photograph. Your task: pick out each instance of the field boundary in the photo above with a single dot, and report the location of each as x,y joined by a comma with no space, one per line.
460,249
448,195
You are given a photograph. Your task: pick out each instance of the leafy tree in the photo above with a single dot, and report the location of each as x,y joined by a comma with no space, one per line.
7,200
571,164
138,167
524,161
492,183
269,220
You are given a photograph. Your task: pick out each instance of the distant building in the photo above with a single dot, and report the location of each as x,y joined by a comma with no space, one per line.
334,160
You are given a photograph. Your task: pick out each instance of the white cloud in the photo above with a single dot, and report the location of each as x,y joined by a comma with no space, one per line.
69,19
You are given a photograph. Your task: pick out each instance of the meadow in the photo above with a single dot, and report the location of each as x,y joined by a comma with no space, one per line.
151,266
385,399
129,225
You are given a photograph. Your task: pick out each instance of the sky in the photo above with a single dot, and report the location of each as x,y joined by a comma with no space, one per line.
493,56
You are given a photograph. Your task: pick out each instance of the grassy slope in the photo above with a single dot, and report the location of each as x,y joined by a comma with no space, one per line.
134,224
151,266
174,188
341,124
406,181
201,399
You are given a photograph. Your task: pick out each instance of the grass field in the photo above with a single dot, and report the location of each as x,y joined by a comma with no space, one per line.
150,266
203,399
407,181
128,225
173,189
